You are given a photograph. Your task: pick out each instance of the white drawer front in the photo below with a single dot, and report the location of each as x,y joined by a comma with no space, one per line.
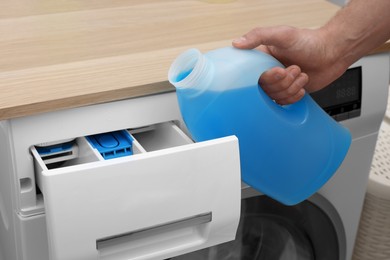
151,205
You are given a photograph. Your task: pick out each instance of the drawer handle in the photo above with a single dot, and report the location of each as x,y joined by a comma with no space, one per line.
186,232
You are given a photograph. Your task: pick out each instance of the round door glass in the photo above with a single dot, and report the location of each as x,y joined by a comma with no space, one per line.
271,231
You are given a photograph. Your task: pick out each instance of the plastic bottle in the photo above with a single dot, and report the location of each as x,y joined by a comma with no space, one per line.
286,152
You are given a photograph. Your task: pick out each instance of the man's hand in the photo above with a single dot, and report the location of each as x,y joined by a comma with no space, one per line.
315,58
311,65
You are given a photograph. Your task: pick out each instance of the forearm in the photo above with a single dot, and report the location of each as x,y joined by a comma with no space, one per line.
358,28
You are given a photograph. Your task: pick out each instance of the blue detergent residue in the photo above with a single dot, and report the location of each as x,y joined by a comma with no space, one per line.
183,75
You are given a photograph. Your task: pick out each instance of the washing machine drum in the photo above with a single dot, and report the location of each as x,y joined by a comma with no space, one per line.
268,237
269,230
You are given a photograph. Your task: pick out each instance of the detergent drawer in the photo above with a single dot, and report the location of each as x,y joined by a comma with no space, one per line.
169,197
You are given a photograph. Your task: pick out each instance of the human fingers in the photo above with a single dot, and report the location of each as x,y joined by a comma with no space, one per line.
278,79
272,77
286,89
292,99
279,36
293,93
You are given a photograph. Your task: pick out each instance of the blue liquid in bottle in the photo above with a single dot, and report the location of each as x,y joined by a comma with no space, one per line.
288,152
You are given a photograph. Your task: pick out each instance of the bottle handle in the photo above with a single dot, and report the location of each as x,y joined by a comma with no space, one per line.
296,112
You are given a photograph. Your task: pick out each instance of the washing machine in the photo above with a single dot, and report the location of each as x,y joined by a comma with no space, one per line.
74,204
323,227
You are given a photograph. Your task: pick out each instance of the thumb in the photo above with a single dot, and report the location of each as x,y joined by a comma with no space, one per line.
275,36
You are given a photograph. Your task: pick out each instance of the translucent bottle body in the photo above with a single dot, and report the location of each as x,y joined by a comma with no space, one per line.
287,152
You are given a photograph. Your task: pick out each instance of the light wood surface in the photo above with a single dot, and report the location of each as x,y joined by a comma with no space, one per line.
58,54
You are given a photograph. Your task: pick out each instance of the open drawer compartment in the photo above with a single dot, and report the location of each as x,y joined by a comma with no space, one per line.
170,197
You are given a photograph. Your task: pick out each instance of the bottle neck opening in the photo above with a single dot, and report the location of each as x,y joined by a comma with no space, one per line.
189,70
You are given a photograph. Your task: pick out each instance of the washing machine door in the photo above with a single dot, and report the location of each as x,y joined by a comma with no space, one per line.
269,230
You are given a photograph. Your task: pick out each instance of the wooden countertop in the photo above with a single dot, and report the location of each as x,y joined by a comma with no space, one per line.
58,54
